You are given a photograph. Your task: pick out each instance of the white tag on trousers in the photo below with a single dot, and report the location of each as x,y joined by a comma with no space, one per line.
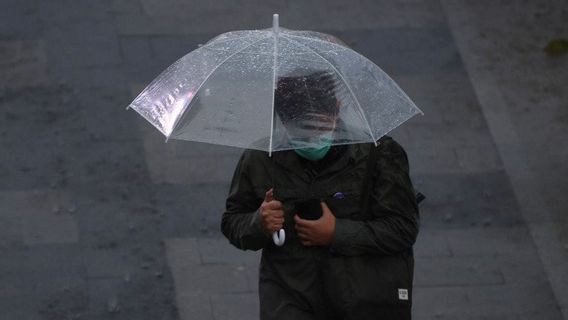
402,294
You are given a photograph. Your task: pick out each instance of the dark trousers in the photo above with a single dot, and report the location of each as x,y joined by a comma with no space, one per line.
277,303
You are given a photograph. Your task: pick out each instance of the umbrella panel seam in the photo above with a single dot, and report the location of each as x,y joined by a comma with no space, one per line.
364,118
178,117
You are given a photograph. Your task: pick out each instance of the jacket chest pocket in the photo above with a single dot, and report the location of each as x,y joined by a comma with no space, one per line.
345,205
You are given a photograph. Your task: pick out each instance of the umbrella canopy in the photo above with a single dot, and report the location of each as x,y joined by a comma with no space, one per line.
264,89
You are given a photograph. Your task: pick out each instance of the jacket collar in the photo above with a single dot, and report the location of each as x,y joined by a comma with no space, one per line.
290,161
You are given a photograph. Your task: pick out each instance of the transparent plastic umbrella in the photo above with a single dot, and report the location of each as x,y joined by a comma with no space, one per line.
238,90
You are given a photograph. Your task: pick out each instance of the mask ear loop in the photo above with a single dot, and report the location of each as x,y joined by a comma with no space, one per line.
278,237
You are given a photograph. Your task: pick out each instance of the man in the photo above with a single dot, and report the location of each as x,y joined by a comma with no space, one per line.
355,261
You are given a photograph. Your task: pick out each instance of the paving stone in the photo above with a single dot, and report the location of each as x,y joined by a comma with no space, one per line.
68,303
556,253
106,77
50,228
433,115
252,270
537,300
213,276
456,271
194,305
403,137
392,48
69,11
88,55
220,251
490,241
25,306
182,253
171,48
211,279
438,302
101,292
135,24
43,270
68,48
23,64
432,243
136,89
478,158
13,286
467,200
165,167
104,106
553,189
100,31
179,17
442,86
500,93
11,232
522,269
423,13
235,306
106,263
457,136
44,215
19,19
192,150
198,214
136,50
433,160
126,6
485,302
142,74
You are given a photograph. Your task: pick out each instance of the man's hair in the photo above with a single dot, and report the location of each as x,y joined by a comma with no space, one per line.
297,96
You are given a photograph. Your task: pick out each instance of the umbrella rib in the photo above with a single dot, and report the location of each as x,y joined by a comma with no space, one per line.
206,78
275,64
344,81
324,41
206,46
400,92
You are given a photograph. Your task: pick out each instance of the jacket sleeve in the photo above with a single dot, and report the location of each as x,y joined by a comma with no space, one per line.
395,223
241,220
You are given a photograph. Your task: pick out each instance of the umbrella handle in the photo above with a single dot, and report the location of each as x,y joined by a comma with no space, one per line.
279,237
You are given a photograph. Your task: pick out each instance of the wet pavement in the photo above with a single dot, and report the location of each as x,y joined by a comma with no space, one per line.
100,219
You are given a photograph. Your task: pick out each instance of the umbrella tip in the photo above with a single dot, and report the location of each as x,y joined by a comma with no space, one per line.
127,107
275,21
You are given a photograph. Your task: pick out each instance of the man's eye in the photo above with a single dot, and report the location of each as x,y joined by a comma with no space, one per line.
319,128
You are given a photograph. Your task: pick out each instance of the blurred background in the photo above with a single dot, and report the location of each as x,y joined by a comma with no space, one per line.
100,219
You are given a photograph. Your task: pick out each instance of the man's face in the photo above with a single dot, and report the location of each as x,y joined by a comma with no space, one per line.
311,125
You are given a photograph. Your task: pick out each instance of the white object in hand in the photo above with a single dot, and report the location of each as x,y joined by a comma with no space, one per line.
279,237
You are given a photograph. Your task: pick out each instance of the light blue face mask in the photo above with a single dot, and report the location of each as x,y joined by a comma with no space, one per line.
315,149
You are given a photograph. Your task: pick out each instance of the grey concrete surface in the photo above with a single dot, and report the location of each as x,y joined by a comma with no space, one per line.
100,219
514,132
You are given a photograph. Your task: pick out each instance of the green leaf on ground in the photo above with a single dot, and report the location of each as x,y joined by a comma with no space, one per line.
557,47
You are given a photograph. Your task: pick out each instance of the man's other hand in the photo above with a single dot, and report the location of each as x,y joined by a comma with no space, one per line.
316,232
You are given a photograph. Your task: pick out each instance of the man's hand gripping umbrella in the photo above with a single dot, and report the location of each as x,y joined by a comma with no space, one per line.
272,217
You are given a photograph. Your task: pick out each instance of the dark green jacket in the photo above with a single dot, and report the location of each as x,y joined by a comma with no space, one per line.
370,258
